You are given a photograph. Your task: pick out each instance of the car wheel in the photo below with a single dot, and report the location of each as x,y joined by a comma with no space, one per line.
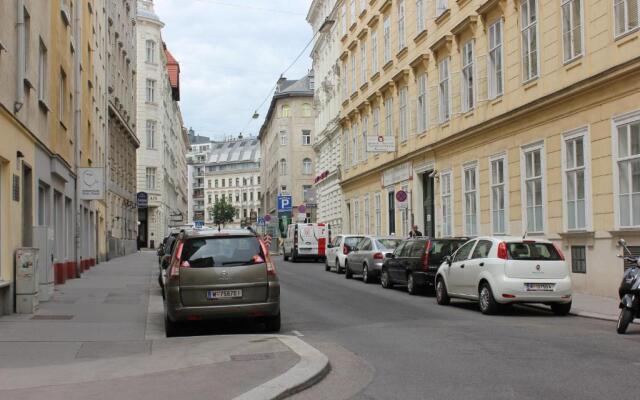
294,255
561,309
366,278
488,304
272,324
326,265
347,272
442,295
337,265
385,280
160,280
284,254
412,287
624,319
171,329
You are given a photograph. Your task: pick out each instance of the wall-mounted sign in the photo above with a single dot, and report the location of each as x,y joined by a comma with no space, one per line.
91,183
396,174
381,144
142,198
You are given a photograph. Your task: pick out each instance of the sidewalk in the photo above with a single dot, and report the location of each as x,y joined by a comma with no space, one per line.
599,307
101,337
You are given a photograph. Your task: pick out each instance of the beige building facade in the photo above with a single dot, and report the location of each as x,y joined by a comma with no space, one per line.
504,118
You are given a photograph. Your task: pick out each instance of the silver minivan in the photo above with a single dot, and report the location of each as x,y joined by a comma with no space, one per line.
220,274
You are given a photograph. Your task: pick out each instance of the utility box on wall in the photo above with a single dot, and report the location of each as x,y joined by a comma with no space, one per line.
27,280
44,239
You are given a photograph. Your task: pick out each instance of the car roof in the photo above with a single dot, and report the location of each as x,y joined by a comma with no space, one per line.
516,239
210,232
382,237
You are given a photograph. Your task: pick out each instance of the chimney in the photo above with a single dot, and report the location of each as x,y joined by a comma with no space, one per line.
280,82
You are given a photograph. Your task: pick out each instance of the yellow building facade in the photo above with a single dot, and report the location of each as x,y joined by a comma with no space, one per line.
505,117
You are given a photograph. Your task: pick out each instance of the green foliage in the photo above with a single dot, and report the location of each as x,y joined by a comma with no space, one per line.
222,212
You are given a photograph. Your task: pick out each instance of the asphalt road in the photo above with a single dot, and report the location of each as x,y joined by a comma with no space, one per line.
386,344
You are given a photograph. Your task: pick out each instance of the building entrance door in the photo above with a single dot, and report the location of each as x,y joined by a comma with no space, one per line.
143,228
392,212
428,204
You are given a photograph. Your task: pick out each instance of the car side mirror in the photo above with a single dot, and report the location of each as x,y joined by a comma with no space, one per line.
448,260
166,260
329,246
390,256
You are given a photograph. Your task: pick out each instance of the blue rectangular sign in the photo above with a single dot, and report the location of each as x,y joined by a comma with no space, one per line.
285,203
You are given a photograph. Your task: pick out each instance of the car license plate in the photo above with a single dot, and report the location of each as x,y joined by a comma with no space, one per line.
540,287
224,294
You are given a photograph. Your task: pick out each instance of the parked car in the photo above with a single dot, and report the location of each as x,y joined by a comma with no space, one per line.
367,257
338,249
415,262
497,271
305,240
221,274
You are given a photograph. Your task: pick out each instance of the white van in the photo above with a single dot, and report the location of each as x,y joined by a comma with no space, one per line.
306,241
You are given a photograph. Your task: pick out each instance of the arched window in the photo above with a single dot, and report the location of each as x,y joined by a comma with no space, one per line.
307,166
285,111
283,167
306,110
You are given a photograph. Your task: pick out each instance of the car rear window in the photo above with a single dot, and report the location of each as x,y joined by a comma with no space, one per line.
533,251
388,244
442,248
352,241
225,251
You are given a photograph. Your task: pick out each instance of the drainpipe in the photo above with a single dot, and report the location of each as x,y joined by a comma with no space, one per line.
108,217
22,58
77,127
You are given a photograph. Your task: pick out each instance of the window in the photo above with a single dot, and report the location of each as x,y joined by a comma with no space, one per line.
464,251
283,138
377,204
367,215
62,96
216,183
528,15
422,114
354,145
283,167
374,51
388,105
353,72
151,178
363,62
306,110
365,124
443,90
626,15
498,195
151,51
209,183
575,175
209,198
482,249
579,259
352,7
495,60
401,31
356,216
237,182
470,190
441,7
468,98
628,171
404,129
346,140
376,121
237,197
386,26
420,15
343,81
223,182
572,28
244,197
307,167
151,91
42,72
446,200
151,134
285,111
306,137
343,19
533,189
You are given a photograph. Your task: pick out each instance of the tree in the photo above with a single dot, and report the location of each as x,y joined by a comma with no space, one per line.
222,212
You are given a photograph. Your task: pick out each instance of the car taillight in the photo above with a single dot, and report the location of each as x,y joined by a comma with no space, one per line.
378,256
425,256
345,250
502,250
560,253
175,267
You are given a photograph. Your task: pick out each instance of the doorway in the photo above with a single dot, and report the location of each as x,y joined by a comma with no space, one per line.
143,227
27,207
392,211
428,203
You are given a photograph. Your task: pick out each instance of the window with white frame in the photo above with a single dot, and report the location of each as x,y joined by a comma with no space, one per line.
388,106
468,97
345,87
495,60
283,167
529,20
306,137
572,28
285,111
367,215
151,51
420,16
378,209
151,178
151,91
354,145
307,166
470,189
575,175
441,7
386,27
283,138
533,185
443,90
498,195
346,140
626,14
365,125
363,62
446,202
352,7
343,19
356,216
401,31
306,110
376,121
353,73
151,134
404,114
374,50
627,133
421,103
42,72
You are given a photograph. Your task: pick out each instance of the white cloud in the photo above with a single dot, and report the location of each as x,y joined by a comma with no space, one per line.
231,53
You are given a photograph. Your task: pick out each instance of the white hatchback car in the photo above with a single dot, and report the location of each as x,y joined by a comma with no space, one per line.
503,270
338,249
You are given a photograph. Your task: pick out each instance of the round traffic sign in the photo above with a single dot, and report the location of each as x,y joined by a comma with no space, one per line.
302,208
267,218
401,196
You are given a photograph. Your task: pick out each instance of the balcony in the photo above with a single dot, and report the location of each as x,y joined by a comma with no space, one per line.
198,193
198,208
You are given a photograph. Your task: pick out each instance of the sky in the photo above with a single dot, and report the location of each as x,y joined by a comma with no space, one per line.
231,53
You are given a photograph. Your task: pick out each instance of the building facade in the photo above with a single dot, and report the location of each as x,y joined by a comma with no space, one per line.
504,118
161,158
327,102
122,213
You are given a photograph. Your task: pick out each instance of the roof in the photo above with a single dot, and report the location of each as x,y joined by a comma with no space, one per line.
173,68
198,139
241,150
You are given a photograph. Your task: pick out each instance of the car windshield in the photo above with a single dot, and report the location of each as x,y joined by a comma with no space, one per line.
532,251
388,244
222,251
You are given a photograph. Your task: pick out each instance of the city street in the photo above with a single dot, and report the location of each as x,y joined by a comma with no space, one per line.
386,344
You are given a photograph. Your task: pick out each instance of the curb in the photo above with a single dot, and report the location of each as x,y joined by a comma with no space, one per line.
586,314
312,368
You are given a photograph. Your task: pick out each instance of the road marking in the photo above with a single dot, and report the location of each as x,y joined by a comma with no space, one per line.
297,333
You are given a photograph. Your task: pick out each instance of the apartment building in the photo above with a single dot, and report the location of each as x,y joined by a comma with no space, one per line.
286,143
497,117
327,102
161,158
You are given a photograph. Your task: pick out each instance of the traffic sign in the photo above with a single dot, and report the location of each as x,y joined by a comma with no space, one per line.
285,203
261,221
302,208
199,224
267,218
401,196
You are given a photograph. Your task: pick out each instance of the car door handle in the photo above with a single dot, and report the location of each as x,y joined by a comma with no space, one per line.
462,266
482,264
